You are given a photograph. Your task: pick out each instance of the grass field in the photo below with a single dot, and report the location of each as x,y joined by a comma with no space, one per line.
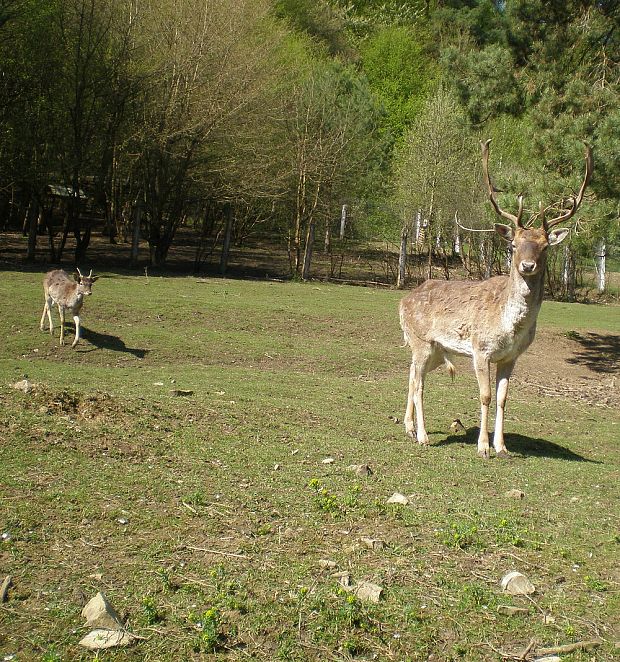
204,517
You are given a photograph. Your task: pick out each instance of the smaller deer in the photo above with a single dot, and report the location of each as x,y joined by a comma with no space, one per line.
60,289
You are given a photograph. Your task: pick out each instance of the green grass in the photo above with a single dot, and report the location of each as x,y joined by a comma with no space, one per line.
110,482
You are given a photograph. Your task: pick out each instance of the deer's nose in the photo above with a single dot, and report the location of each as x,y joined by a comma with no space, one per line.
527,266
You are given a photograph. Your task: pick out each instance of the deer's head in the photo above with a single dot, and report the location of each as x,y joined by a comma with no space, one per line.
85,283
529,244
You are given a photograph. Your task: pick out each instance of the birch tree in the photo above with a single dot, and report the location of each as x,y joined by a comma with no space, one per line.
435,173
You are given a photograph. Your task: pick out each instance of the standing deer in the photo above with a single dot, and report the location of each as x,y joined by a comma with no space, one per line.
67,294
493,321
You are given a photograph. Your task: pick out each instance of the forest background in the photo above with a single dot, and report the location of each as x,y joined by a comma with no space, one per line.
313,126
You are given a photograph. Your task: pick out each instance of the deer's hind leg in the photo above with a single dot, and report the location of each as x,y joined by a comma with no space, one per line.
61,312
47,310
424,359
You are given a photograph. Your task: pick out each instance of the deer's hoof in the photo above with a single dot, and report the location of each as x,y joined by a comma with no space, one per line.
485,454
503,455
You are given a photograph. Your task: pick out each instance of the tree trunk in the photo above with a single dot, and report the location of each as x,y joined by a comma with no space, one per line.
343,220
135,237
402,259
486,256
601,253
227,236
32,222
429,229
568,275
82,242
305,272
328,237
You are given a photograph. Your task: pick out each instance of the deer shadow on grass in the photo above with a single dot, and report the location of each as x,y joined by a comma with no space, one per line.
521,446
113,343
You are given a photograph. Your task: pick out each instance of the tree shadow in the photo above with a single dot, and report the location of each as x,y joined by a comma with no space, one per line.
113,343
599,352
521,446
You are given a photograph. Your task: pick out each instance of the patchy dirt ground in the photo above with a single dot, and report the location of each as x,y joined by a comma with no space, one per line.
585,367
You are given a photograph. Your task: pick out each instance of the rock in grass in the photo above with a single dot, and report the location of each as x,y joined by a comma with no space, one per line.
373,543
99,613
100,638
399,498
23,385
327,564
344,578
457,426
515,583
514,494
4,589
360,470
367,591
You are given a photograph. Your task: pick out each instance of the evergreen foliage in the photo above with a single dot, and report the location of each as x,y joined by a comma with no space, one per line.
275,113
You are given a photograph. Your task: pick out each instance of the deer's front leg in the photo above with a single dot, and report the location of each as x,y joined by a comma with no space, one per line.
76,319
482,367
504,370
61,312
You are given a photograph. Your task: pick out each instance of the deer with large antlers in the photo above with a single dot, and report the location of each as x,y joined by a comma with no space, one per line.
493,321
67,294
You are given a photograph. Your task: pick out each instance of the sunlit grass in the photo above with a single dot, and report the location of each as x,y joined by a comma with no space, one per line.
112,482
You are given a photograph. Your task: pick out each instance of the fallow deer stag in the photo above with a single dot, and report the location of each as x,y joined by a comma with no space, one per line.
67,294
493,321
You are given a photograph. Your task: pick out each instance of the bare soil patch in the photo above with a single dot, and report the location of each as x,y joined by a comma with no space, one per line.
585,367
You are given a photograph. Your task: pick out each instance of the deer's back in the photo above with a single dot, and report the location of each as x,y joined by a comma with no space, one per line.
455,314
59,285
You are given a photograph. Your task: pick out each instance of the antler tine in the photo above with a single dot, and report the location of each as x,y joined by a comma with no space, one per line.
576,199
90,274
79,272
456,220
491,190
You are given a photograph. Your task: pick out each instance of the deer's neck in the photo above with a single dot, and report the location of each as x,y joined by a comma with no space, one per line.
75,298
523,299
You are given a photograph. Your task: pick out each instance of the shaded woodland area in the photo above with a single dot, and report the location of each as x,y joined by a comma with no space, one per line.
308,125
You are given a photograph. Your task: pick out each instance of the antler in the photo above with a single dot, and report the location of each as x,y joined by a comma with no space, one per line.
576,200
491,189
79,272
456,220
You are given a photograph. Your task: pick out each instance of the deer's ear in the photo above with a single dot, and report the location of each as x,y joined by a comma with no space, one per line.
504,231
557,236
94,278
